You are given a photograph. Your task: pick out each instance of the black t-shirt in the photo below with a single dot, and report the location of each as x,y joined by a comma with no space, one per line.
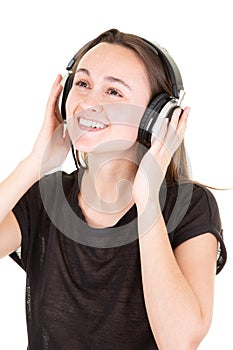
84,288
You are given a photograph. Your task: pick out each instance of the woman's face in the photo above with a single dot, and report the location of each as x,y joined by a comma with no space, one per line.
106,102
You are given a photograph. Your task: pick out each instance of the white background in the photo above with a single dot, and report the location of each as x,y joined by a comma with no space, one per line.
38,38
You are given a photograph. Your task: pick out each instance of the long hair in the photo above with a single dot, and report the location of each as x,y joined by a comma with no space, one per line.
159,82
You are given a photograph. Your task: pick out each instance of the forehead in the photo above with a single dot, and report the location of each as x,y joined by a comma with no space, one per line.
113,58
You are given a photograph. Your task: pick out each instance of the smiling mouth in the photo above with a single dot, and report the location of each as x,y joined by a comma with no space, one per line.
91,124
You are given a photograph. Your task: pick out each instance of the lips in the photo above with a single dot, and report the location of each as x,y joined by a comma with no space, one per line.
91,125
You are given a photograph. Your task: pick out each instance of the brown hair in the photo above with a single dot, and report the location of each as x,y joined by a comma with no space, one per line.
159,82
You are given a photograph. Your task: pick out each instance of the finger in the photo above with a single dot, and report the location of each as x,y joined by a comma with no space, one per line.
52,103
57,81
157,141
55,90
183,121
178,123
174,121
175,132
157,127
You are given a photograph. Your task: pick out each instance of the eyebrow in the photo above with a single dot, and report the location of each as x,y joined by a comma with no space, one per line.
110,79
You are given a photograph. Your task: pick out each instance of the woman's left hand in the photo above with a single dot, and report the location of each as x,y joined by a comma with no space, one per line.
154,164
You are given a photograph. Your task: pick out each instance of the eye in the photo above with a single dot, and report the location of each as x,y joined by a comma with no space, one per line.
114,92
82,84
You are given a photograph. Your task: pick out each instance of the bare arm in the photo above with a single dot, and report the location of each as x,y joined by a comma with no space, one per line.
40,160
178,286
11,190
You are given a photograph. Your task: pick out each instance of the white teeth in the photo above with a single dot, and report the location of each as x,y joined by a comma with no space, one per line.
91,124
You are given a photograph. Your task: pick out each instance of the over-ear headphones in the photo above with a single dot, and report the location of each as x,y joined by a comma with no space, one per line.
162,105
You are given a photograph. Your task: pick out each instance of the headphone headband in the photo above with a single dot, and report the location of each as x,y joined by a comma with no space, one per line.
173,70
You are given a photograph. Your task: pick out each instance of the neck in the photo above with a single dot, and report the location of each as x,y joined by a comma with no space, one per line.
107,184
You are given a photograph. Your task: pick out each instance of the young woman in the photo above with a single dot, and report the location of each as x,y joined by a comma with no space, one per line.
122,253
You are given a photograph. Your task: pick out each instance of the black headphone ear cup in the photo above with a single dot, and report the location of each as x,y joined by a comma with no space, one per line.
150,116
67,86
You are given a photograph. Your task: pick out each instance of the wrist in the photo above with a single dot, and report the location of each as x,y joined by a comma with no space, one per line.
31,166
148,205
148,216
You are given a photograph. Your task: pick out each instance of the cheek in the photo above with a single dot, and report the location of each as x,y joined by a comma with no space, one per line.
125,115
124,132
71,104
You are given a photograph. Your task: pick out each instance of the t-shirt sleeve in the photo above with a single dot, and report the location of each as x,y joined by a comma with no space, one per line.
22,214
32,217
202,216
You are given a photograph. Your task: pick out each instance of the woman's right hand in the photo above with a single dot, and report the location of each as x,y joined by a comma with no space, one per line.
51,146
49,151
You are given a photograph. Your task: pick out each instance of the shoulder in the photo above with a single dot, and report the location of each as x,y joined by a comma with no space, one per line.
47,186
191,210
187,199
204,204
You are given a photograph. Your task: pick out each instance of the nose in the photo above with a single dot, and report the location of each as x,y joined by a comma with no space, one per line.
92,103
95,109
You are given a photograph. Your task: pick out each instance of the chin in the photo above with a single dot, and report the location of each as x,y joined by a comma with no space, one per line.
114,149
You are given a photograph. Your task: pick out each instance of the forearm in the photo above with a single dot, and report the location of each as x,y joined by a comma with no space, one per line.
16,184
172,307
